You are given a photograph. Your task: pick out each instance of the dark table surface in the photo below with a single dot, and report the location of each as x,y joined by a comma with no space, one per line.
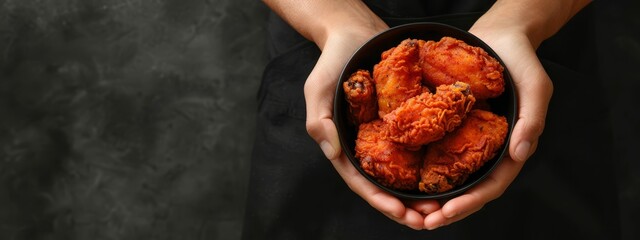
135,119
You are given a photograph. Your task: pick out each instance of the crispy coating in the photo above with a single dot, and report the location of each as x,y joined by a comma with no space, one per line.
360,93
428,117
398,76
448,162
450,60
387,162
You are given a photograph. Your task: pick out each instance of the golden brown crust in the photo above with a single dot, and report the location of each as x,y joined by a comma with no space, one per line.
448,162
387,162
450,60
399,119
398,76
428,117
360,93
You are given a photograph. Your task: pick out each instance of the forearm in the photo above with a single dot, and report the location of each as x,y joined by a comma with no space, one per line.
317,19
537,19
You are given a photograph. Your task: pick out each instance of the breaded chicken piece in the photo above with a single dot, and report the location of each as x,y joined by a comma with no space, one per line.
428,117
387,162
360,93
450,60
448,162
398,76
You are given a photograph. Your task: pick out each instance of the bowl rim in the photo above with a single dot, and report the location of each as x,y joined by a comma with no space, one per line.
511,107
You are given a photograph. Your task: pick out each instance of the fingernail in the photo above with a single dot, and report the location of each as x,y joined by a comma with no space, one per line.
327,149
522,151
436,227
450,215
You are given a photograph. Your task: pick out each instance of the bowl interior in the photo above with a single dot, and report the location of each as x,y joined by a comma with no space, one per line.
369,54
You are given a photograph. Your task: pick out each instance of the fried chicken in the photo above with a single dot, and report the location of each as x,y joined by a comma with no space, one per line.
450,60
360,93
387,162
412,139
398,76
448,162
428,117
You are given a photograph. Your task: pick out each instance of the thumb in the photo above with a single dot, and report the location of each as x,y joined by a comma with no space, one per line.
324,132
319,91
535,90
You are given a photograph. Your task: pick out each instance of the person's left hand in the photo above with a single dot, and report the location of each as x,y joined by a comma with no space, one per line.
534,93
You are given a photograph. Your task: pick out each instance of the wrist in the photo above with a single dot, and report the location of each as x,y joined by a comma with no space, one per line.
502,22
320,20
359,24
537,20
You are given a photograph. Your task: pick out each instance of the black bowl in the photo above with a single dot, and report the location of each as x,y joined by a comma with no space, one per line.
369,54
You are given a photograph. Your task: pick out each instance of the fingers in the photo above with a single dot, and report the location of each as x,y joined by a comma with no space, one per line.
473,200
324,132
437,219
411,218
319,91
425,207
382,201
535,90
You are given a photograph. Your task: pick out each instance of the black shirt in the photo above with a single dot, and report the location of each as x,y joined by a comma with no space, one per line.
282,36
418,8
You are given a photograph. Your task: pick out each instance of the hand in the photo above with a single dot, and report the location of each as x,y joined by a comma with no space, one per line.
514,29
534,90
319,94
339,27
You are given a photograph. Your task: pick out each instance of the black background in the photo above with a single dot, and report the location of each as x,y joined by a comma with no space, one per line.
131,119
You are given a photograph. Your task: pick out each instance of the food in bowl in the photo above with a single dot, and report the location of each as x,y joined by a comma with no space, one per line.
398,76
450,60
449,162
428,136
360,93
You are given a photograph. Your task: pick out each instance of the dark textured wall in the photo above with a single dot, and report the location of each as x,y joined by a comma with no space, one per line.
127,119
